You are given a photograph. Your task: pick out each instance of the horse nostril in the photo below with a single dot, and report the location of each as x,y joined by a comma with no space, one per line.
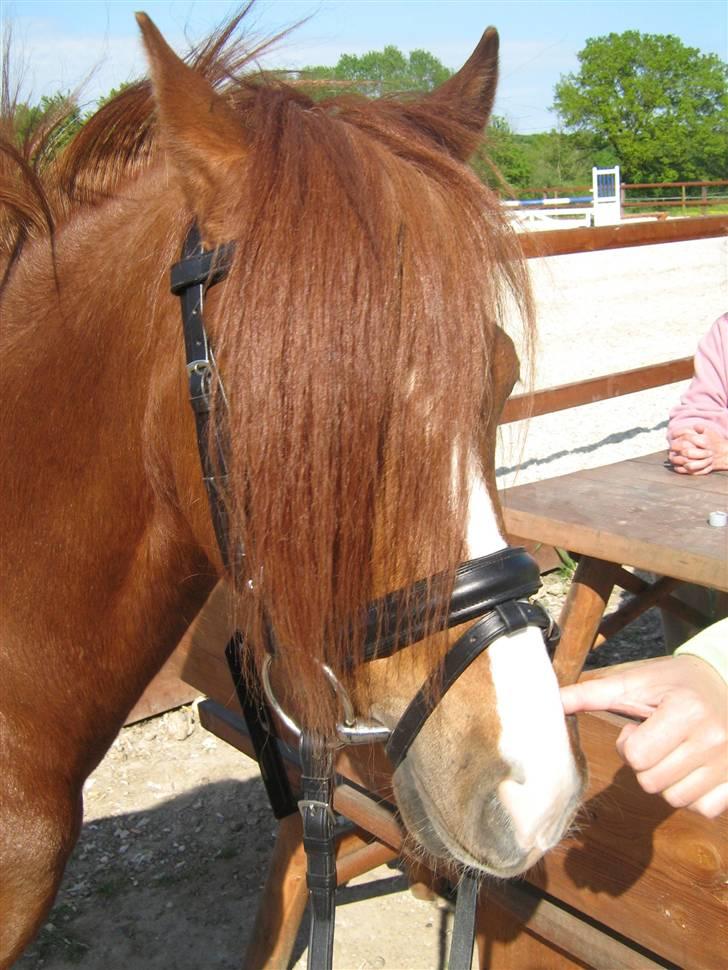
518,773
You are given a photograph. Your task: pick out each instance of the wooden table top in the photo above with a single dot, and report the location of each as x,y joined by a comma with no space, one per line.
636,512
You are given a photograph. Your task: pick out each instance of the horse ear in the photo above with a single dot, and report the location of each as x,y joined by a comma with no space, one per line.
198,127
467,97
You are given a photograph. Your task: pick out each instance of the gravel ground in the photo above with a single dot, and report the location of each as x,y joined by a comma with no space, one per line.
173,853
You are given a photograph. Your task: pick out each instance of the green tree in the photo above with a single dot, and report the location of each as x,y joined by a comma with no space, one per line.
561,159
503,158
49,125
661,107
105,98
377,73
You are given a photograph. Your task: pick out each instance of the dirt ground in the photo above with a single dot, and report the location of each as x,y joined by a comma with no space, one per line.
168,870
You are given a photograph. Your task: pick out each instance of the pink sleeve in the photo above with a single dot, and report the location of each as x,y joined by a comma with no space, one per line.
706,399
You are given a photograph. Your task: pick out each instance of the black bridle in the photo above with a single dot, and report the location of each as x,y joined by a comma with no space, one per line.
492,590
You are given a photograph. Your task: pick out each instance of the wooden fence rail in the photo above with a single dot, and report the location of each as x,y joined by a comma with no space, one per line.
558,190
673,185
559,242
596,389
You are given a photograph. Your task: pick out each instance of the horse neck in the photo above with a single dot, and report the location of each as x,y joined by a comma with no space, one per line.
103,567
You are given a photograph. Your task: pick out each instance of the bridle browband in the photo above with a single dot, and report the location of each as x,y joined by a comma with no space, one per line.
491,590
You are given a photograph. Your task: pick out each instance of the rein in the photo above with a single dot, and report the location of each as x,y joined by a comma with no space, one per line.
491,590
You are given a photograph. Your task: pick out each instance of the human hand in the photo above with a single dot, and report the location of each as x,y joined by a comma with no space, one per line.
681,747
699,450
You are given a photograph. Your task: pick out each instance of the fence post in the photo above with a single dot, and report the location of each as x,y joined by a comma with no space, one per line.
704,200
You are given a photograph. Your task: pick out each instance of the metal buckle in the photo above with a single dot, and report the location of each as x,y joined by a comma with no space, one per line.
201,367
351,730
316,805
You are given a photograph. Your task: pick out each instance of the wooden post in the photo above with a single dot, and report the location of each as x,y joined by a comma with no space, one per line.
586,600
282,901
356,855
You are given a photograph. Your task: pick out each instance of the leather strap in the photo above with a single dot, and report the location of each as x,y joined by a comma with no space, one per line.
317,780
463,930
506,618
200,267
261,731
189,278
407,615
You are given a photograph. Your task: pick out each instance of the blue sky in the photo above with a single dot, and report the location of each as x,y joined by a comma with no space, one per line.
61,42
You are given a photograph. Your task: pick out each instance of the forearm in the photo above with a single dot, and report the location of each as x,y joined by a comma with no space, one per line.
711,645
706,398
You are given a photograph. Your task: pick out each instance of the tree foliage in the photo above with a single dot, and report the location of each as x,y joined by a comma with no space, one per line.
558,158
51,123
503,158
379,72
661,107
105,98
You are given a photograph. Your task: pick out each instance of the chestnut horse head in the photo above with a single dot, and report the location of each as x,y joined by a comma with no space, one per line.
357,336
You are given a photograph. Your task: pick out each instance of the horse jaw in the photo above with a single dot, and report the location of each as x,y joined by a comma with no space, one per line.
507,799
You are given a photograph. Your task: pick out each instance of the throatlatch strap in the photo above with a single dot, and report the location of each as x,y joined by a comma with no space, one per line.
317,780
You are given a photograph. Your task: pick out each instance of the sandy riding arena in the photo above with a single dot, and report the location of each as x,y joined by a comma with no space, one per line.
168,870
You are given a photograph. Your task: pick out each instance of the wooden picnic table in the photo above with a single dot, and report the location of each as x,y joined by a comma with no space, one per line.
638,513
636,867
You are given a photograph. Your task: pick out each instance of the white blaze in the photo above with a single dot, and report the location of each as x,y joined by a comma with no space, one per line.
483,534
534,739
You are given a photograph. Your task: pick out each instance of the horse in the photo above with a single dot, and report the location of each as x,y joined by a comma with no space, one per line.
358,335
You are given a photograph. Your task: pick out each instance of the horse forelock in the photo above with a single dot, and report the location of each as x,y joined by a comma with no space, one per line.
354,333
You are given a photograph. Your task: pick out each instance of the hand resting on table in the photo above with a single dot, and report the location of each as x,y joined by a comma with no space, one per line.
698,450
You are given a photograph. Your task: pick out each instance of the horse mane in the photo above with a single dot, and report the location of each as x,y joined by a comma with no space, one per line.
354,333
359,316
40,189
